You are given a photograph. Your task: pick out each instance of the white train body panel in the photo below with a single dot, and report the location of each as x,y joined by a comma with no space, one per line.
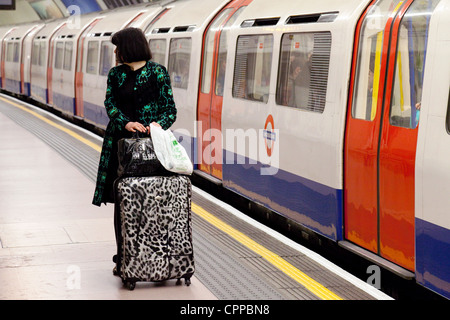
310,143
432,201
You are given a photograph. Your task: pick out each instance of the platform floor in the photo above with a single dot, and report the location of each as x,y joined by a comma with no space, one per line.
54,244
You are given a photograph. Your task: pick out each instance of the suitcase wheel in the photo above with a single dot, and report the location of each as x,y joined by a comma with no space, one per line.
187,281
130,285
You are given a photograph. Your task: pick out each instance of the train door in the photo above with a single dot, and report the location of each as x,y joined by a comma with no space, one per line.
79,109
3,58
382,126
24,59
209,111
27,47
51,44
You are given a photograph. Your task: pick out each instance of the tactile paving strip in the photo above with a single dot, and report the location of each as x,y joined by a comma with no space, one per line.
285,285
79,154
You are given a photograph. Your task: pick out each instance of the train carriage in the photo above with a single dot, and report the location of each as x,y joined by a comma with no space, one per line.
41,62
4,30
64,46
294,121
16,58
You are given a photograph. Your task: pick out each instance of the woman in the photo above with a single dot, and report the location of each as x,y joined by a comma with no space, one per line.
138,93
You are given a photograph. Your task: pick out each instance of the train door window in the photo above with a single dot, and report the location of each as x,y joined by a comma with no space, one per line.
222,58
42,53
16,52
59,55
106,56
410,64
303,70
10,52
179,61
68,51
208,53
92,57
35,53
368,66
252,67
158,50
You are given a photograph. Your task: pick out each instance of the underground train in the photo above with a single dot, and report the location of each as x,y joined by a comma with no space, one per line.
332,114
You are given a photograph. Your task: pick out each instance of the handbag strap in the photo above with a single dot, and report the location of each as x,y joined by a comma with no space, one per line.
137,134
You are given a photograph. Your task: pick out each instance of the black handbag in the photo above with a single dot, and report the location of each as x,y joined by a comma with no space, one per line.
137,157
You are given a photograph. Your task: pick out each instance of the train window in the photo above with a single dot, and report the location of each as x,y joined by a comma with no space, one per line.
59,55
68,50
252,67
303,70
42,53
208,53
16,52
368,67
179,61
106,57
158,50
35,53
10,52
92,57
410,64
222,58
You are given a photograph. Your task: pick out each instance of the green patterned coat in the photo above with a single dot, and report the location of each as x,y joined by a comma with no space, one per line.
155,103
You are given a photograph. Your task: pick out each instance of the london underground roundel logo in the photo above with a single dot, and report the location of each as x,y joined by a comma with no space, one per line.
269,135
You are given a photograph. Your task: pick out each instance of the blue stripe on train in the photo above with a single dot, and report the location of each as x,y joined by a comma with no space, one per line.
64,103
12,85
433,257
96,114
307,202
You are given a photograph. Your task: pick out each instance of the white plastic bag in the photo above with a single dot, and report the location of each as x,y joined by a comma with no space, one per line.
170,153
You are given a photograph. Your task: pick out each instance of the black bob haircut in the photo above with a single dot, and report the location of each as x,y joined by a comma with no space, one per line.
132,46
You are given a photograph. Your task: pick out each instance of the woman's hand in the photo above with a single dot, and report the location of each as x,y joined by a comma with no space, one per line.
156,124
133,126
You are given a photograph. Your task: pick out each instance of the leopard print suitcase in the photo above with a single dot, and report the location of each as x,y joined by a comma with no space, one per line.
156,233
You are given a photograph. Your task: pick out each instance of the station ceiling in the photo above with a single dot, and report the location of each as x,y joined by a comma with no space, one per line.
13,12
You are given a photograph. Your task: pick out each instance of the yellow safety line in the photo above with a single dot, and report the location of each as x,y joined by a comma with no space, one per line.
309,283
68,131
